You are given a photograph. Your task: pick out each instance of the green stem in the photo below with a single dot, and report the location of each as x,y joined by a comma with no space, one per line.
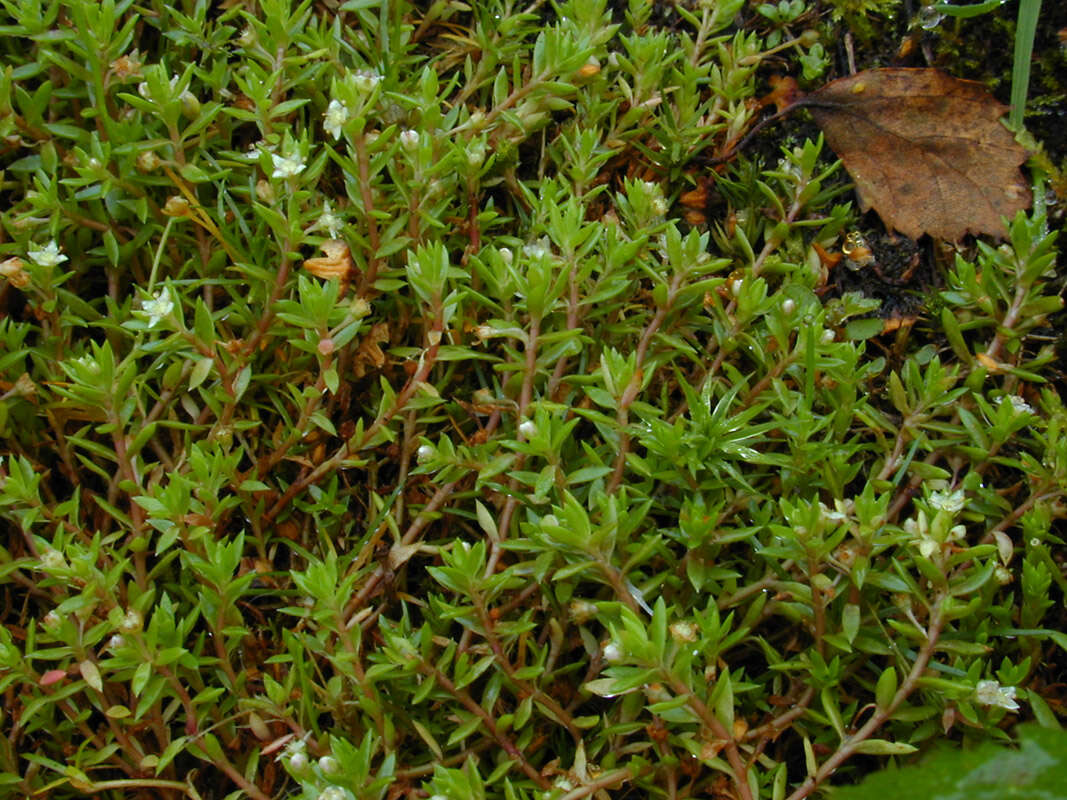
1025,30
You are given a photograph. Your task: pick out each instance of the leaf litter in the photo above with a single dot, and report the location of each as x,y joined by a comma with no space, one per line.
926,151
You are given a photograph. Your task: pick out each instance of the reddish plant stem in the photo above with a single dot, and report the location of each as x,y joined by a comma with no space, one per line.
718,730
622,416
471,705
367,197
850,744
345,451
525,397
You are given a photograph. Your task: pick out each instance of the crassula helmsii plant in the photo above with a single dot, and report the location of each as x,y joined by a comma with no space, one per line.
375,426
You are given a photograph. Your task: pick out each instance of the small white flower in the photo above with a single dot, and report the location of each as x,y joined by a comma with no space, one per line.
927,546
788,306
287,166
507,255
333,793
335,117
157,307
116,641
298,762
836,515
367,80
528,428
537,249
1018,405
295,747
991,693
424,453
329,222
329,765
952,502
49,255
52,560
409,139
828,336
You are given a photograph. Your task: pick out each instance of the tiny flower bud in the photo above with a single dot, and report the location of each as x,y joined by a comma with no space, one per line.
24,386
14,270
325,346
424,453
116,641
360,307
684,632
409,140
176,206
613,653
190,104
52,560
589,68
329,765
298,762
788,306
528,429
656,693
147,161
366,80
582,611
476,153
132,622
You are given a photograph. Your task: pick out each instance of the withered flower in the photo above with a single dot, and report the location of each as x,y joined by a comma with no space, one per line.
336,263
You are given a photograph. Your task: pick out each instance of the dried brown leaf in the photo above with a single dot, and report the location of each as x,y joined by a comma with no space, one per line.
927,151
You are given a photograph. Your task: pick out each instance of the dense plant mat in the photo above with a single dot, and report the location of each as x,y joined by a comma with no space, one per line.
435,400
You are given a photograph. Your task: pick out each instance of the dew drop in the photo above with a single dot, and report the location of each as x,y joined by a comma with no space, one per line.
929,18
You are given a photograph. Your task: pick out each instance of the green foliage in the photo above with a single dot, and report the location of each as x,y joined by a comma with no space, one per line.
523,486
987,772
